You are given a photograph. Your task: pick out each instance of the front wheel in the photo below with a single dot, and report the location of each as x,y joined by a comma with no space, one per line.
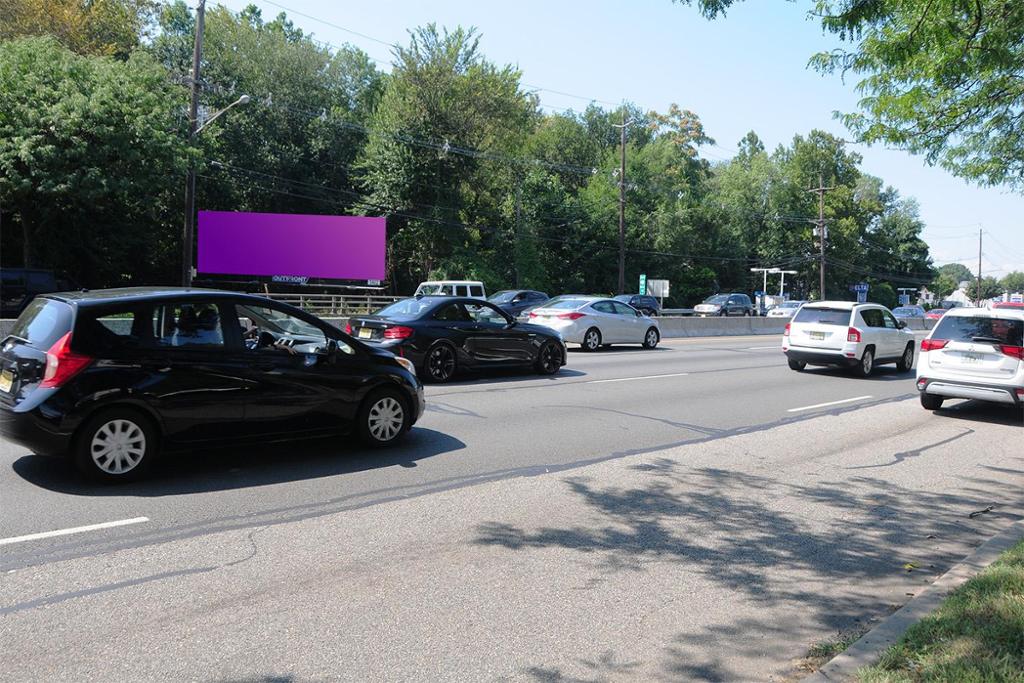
931,402
383,418
907,361
592,339
549,359
117,445
652,338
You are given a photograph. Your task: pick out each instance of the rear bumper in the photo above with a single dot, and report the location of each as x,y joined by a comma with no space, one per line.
995,393
34,431
837,358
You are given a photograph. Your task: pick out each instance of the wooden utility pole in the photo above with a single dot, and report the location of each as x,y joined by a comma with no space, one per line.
622,208
188,233
820,191
979,266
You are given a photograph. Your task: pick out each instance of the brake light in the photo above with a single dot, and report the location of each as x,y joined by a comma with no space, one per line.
533,315
933,344
348,328
398,332
853,335
62,363
785,332
570,316
1013,351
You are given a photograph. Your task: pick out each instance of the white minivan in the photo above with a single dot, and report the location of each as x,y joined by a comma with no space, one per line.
470,288
847,334
973,353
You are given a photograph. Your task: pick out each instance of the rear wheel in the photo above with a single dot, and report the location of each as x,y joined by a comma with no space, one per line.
931,402
119,444
549,359
652,338
907,361
797,365
439,365
383,418
867,363
591,339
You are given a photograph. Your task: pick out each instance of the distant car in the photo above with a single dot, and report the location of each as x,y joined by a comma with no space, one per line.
113,377
18,286
594,322
908,312
935,313
517,301
725,304
847,334
642,302
784,310
471,288
973,353
443,335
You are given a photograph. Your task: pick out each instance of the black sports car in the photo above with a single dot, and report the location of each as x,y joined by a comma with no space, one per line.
443,334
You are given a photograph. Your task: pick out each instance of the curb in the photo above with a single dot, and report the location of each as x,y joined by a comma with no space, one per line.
869,648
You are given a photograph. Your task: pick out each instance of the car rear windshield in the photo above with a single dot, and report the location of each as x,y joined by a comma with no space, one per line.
964,328
823,316
567,303
43,323
407,309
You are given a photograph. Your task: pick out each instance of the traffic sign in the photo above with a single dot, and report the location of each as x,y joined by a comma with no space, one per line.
643,284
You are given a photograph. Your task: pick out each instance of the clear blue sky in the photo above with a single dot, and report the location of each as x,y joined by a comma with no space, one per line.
745,72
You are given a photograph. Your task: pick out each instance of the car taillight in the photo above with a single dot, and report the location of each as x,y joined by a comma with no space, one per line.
1013,351
570,316
398,332
785,332
533,315
348,328
853,335
933,344
62,363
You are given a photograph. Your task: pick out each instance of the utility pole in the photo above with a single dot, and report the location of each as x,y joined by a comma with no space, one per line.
518,236
622,204
188,233
820,191
979,266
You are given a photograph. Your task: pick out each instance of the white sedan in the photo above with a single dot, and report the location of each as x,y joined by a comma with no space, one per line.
594,322
784,310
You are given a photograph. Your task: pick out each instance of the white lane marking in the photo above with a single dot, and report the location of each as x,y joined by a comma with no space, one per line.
73,530
630,379
763,348
830,403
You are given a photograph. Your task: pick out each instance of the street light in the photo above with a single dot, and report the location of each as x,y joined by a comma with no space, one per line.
782,280
188,235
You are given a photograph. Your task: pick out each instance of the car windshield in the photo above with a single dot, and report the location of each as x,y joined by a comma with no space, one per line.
790,304
717,299
969,329
406,309
503,297
566,303
823,316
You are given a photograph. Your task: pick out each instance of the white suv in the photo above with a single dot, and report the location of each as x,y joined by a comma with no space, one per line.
973,353
847,334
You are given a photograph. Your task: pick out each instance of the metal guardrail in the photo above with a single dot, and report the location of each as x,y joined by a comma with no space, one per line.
334,304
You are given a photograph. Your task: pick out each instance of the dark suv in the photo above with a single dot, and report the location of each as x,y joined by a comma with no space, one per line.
111,377
644,303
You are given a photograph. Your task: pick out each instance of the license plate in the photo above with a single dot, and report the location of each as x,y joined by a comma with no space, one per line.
816,335
6,380
365,333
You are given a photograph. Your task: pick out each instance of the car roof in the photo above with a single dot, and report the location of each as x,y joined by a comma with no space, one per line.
451,282
842,305
961,312
96,297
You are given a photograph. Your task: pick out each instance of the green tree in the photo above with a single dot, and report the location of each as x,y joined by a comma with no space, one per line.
1013,282
86,147
94,27
956,272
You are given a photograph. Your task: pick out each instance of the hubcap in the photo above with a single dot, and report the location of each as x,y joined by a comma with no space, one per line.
550,360
118,446
592,340
908,357
442,363
867,362
652,338
385,421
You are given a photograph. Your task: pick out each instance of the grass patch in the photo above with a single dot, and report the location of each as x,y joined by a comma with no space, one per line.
976,635
821,652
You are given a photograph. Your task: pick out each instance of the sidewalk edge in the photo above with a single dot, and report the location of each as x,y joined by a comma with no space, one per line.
869,648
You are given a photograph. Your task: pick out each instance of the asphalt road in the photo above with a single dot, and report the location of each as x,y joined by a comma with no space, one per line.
695,512
623,400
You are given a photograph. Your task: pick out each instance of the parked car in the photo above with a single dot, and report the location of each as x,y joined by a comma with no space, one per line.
593,322
517,301
644,303
442,335
725,304
18,286
784,310
471,288
1012,305
935,313
847,334
973,353
904,312
114,377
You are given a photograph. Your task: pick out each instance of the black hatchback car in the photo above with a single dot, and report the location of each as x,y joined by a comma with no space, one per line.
442,334
111,377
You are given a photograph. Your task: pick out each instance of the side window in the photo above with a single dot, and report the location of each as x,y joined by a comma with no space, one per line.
461,290
622,309
452,313
188,325
889,321
477,291
269,330
485,314
872,317
113,330
604,307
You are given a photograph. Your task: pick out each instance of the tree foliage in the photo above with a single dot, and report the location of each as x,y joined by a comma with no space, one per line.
97,27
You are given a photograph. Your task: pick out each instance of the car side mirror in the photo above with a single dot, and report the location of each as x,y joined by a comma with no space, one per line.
638,313
900,324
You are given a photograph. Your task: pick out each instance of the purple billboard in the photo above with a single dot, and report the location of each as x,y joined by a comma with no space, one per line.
296,245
